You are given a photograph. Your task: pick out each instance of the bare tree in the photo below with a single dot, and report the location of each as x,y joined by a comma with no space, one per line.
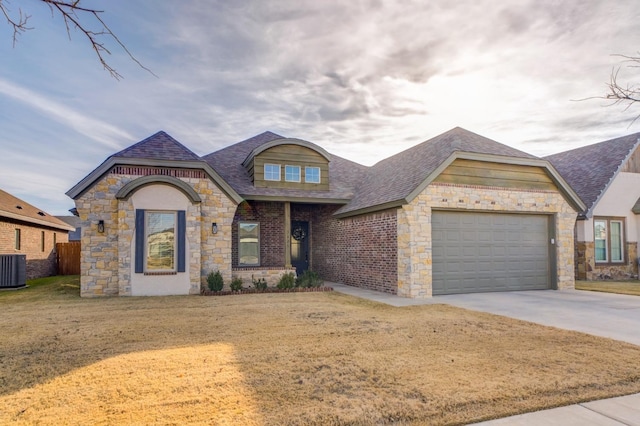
75,16
624,93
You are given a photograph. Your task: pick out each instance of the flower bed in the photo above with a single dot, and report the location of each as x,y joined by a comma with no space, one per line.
267,290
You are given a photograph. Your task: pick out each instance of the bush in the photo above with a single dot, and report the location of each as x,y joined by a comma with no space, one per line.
236,284
287,281
309,279
260,284
215,281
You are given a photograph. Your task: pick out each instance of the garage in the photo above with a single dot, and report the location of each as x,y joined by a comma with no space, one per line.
483,252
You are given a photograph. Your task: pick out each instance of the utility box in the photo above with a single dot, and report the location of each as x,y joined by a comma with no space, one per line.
13,270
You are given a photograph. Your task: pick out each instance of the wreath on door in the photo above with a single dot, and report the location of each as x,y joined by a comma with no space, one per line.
298,233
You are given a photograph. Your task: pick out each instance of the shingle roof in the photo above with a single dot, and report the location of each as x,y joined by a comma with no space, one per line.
344,174
590,169
159,146
396,177
15,208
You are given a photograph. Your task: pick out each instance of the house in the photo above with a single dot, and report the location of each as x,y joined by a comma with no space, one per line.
457,213
28,230
606,176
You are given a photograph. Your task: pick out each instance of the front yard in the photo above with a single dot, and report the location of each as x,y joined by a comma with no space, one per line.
298,358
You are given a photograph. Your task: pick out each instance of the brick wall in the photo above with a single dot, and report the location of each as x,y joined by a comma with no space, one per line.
39,263
360,251
270,215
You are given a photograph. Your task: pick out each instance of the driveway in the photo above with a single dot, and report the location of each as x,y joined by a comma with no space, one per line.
603,314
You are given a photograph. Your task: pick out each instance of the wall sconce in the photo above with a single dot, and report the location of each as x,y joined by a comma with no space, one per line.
214,228
101,226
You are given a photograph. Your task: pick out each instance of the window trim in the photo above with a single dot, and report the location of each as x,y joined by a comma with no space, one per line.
140,255
248,222
42,241
18,237
264,170
623,241
299,173
175,241
319,175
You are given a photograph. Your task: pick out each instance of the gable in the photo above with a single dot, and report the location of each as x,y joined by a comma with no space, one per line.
481,173
297,156
632,165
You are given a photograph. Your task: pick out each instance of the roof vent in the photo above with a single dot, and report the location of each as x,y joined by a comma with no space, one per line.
41,214
19,207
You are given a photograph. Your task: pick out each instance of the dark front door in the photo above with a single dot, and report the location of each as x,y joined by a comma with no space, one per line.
300,246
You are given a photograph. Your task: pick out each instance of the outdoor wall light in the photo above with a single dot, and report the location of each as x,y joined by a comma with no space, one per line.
101,226
214,228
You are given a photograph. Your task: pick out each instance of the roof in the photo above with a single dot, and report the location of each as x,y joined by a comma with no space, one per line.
590,169
159,146
74,221
393,180
14,208
228,162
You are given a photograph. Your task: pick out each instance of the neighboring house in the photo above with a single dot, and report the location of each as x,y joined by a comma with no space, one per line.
73,221
457,213
25,229
606,176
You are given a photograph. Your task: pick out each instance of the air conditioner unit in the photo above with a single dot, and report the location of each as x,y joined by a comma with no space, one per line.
13,270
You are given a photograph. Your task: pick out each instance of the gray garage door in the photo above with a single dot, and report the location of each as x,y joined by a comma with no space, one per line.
478,252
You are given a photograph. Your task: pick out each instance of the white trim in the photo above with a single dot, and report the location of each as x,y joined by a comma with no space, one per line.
146,240
264,169
319,174
299,173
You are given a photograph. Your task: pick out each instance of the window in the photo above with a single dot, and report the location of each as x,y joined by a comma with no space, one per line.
160,241
312,174
272,171
54,242
292,173
41,240
17,239
249,243
609,240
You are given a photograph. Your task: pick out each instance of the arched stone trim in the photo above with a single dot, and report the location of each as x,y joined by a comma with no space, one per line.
287,141
126,191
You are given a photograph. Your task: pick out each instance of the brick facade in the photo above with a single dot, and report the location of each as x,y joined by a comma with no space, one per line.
270,215
360,251
40,263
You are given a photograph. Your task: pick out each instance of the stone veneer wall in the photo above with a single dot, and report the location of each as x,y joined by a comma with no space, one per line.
39,263
588,270
360,251
414,228
106,258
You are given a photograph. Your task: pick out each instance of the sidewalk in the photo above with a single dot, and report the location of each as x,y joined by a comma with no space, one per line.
624,410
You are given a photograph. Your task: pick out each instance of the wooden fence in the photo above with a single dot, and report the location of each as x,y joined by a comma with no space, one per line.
68,258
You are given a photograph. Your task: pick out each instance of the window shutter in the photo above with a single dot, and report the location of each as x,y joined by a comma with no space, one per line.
139,256
182,227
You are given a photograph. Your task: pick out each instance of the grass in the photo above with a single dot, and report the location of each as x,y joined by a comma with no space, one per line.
620,287
295,359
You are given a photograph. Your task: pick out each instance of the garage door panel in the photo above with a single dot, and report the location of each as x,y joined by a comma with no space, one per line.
482,252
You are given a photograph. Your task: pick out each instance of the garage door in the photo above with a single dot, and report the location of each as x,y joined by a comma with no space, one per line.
479,252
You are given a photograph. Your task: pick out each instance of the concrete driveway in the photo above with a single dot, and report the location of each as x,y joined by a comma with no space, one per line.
603,314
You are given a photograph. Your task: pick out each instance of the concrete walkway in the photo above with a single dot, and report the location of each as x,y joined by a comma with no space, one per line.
602,314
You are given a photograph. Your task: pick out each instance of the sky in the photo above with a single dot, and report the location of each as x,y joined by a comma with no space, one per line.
362,79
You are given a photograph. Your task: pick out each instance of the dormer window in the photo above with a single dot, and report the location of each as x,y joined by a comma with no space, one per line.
292,173
272,172
312,174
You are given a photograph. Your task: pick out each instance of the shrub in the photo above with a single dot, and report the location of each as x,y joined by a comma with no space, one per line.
215,281
260,284
309,279
236,284
287,281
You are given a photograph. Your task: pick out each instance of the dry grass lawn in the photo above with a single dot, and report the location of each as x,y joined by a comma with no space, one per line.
621,287
295,359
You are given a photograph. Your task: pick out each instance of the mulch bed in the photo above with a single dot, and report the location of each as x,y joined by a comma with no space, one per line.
267,290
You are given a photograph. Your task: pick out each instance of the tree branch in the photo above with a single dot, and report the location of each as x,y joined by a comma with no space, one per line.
75,16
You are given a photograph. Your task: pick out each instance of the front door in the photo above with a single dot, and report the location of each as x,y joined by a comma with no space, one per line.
300,246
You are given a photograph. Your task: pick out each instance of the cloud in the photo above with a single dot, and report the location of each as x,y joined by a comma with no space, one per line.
104,133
